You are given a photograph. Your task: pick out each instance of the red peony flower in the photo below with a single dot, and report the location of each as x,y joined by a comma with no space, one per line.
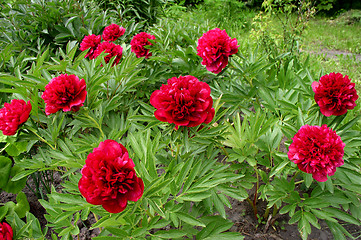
138,42
185,101
214,47
109,179
65,92
13,114
317,150
335,94
6,232
92,42
112,49
113,32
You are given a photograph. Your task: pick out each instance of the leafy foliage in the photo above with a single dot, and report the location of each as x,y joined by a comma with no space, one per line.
190,174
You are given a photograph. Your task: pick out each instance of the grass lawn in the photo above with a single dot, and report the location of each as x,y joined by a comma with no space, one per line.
325,35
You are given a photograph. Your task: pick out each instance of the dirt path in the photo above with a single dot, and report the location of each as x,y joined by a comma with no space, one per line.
334,54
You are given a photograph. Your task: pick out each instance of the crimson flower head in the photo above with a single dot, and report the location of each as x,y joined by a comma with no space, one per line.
334,93
112,50
92,42
214,47
113,32
138,42
317,150
6,232
65,92
109,179
13,114
184,101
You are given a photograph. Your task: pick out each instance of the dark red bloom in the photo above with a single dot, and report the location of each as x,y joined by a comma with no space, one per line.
112,50
184,101
113,32
13,114
317,150
335,93
6,232
214,47
109,178
65,92
92,42
138,42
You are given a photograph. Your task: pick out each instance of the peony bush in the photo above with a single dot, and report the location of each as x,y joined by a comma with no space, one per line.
157,146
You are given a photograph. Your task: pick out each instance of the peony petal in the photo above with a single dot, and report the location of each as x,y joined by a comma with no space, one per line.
137,192
320,176
115,206
315,86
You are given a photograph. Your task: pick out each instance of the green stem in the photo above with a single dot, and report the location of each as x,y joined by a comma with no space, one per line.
294,176
96,124
257,186
266,213
7,145
96,218
254,207
275,211
42,139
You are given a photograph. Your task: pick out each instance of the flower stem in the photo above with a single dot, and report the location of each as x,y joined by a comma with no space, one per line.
7,145
41,139
254,207
96,124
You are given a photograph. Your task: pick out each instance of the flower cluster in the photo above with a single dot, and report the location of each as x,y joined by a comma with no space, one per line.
214,47
96,47
184,101
13,114
139,42
65,92
6,232
109,178
317,150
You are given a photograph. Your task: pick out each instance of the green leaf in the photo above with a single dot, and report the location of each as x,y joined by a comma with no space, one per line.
170,234
226,236
323,215
308,179
304,227
22,206
22,174
189,219
3,211
342,215
117,232
15,186
5,168
279,168
287,208
195,197
107,238
69,198
295,218
336,230
109,222
312,219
